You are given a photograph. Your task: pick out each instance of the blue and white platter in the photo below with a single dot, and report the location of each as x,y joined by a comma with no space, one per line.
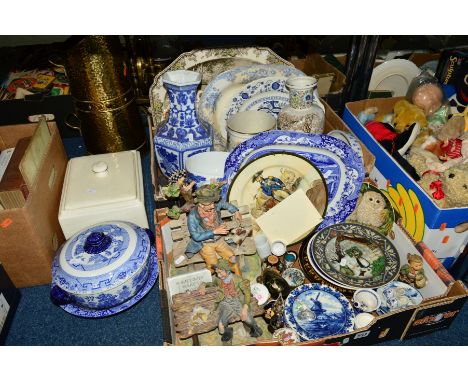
348,138
341,166
317,311
144,290
397,295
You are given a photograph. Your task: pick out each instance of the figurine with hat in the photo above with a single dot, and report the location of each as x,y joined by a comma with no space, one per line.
233,298
208,231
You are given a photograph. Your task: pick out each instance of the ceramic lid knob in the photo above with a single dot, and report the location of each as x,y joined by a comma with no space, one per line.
100,168
97,242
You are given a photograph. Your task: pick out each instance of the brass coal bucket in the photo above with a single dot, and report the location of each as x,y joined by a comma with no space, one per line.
104,99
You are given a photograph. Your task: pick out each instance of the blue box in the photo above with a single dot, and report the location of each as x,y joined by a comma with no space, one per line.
422,218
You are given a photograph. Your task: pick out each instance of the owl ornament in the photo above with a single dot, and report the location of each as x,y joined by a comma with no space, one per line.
373,210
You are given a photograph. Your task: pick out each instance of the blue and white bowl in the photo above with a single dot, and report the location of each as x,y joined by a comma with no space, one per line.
102,266
206,167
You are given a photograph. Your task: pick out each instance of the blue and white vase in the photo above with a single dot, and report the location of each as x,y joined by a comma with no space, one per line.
182,135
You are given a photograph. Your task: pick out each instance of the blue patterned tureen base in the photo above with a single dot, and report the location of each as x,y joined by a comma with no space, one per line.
143,287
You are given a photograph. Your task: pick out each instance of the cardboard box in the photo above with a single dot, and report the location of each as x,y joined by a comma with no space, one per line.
443,300
421,216
9,299
330,79
29,236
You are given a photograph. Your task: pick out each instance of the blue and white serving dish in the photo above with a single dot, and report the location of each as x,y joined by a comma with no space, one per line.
397,295
317,311
341,166
104,269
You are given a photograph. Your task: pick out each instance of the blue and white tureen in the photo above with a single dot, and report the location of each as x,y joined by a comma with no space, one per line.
104,269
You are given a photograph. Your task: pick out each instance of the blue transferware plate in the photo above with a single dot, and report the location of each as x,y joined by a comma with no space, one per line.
317,311
348,138
341,167
397,295
269,102
144,289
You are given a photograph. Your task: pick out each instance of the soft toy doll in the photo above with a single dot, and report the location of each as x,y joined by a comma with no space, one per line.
405,114
449,188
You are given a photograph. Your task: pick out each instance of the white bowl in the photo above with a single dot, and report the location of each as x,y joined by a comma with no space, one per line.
246,124
205,167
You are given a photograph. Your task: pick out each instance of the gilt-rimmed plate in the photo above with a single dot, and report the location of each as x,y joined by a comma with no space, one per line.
354,255
397,295
224,83
271,178
340,165
317,311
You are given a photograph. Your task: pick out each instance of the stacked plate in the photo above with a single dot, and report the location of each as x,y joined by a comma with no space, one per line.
252,87
353,256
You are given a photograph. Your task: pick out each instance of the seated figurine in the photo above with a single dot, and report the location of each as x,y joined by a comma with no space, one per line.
413,272
207,230
233,298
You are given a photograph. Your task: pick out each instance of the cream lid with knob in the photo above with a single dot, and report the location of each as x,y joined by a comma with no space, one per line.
96,180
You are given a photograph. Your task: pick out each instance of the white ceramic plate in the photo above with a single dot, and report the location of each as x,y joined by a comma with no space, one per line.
394,75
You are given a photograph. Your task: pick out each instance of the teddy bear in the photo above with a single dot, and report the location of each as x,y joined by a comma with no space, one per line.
448,188
405,114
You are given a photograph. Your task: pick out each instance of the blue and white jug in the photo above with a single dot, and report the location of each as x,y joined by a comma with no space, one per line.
182,135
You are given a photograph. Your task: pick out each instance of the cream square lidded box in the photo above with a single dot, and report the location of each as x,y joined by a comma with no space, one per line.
99,188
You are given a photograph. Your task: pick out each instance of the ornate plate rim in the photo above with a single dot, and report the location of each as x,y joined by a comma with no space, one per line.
348,325
310,254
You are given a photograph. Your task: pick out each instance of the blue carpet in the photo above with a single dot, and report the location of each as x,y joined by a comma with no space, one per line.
38,322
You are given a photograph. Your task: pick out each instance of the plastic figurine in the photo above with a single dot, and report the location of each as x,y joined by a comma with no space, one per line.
233,298
413,272
207,230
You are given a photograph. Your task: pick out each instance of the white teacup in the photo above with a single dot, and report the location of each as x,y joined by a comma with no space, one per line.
366,300
278,248
246,124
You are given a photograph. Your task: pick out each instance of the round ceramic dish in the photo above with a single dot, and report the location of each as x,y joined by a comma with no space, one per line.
317,311
354,255
394,75
102,266
397,295
205,167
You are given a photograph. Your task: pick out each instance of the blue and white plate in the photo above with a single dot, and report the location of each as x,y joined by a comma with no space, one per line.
269,102
341,167
348,138
397,295
317,311
95,313
220,91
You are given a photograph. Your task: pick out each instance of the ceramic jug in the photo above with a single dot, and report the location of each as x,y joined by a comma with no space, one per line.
182,135
305,112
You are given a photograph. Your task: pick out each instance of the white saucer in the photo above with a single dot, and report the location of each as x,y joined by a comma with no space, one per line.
394,75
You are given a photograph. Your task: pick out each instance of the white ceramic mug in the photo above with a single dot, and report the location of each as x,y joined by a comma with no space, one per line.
246,124
262,245
366,300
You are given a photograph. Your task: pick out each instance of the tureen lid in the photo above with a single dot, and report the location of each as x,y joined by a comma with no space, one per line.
101,257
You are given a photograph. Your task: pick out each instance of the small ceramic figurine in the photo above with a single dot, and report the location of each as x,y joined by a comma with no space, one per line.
208,231
413,272
233,298
274,314
178,186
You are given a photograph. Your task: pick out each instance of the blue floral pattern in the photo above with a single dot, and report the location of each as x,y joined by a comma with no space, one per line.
182,132
90,290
